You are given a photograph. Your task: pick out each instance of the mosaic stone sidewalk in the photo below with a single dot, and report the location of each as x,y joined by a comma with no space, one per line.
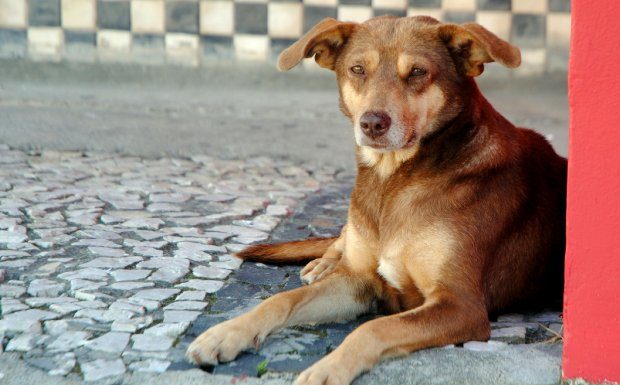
111,264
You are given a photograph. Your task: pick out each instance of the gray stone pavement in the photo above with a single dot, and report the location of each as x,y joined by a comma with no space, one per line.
110,264
225,111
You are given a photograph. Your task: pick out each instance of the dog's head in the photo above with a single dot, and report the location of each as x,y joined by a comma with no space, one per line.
400,78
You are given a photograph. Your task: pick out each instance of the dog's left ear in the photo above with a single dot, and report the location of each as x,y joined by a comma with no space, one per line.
472,45
324,41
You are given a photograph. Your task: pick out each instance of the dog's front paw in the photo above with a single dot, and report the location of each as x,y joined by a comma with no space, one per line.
222,343
327,371
317,269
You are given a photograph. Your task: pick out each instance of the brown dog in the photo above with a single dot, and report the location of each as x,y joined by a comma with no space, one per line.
455,213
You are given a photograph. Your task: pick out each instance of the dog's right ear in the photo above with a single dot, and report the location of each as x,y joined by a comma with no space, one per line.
324,41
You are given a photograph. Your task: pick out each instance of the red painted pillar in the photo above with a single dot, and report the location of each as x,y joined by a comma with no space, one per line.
592,295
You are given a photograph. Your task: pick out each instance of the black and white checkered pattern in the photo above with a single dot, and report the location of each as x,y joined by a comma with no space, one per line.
191,32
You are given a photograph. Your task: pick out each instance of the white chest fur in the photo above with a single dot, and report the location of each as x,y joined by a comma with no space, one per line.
393,274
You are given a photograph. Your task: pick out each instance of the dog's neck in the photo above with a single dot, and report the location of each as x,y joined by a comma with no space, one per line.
443,145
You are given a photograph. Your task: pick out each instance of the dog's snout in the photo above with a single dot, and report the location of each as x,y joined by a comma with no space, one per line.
375,123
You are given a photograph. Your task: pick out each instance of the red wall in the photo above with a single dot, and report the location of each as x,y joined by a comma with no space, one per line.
592,295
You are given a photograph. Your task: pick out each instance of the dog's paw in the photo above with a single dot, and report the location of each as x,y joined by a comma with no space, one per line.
222,343
317,269
325,372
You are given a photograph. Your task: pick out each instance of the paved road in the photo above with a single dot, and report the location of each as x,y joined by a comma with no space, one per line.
228,112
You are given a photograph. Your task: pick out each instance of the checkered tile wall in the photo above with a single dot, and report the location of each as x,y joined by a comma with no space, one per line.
194,31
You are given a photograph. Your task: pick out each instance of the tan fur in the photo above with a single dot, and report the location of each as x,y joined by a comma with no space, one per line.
288,252
318,268
455,213
404,64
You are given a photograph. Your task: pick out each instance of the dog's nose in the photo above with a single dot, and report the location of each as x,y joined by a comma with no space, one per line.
375,124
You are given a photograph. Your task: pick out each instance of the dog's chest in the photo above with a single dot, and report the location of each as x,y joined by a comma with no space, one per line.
401,231
419,257
394,272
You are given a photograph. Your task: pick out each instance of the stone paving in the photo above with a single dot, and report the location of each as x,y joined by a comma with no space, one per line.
111,264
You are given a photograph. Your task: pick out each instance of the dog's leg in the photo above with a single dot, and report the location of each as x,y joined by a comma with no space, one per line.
321,267
438,322
339,296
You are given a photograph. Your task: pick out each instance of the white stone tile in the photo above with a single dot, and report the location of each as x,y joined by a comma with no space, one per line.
217,17
106,251
25,342
558,30
115,41
182,48
533,62
147,16
65,364
324,3
186,305
68,340
512,317
156,294
529,6
497,22
11,305
390,4
190,295
179,316
45,43
251,47
459,5
111,262
509,334
13,13
130,285
129,274
211,272
112,342
172,330
152,342
285,20
79,14
356,13
478,346
210,286
100,369
150,366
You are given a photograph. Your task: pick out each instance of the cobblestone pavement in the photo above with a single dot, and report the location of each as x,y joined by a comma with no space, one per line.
111,265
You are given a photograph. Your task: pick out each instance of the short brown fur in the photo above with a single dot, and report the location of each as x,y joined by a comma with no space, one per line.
456,214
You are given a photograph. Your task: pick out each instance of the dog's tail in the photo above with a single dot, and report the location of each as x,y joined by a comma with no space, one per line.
288,252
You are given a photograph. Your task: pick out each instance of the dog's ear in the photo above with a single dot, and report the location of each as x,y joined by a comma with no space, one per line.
324,41
471,45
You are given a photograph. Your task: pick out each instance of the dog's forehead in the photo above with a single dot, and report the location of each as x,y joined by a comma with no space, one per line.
394,34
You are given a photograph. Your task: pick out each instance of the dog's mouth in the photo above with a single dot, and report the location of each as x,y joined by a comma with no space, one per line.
384,144
412,139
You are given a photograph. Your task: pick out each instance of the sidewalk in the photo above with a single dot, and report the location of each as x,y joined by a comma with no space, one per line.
115,256
112,265
228,112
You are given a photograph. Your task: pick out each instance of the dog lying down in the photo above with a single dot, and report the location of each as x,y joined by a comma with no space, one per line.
456,214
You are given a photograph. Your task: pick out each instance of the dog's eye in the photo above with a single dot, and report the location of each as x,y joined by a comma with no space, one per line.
417,72
358,69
